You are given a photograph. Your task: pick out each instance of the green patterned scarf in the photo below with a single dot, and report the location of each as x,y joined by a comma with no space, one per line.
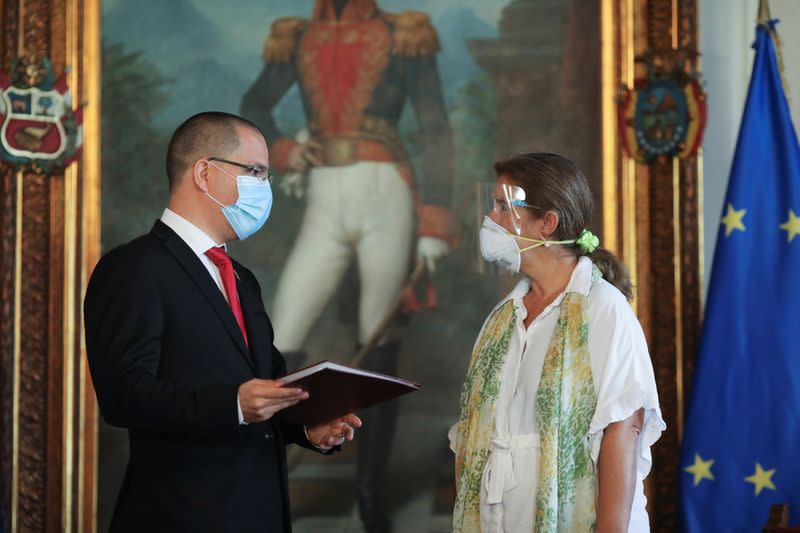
565,404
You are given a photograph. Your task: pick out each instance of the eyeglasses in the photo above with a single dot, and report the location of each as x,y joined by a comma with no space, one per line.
260,173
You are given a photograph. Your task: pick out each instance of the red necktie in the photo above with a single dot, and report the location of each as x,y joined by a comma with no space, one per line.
221,259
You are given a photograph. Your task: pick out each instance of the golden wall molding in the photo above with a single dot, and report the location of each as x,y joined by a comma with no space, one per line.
655,225
49,241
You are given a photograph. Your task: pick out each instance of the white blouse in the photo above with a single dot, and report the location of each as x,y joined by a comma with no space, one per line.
624,382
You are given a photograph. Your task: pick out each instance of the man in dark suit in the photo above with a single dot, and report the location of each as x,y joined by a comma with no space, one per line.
181,349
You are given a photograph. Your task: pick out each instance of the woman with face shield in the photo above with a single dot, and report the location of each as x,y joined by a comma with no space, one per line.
559,408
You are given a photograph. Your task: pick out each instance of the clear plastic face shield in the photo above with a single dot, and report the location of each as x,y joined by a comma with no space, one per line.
503,212
505,204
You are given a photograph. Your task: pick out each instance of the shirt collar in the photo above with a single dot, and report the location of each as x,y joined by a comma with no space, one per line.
580,282
193,236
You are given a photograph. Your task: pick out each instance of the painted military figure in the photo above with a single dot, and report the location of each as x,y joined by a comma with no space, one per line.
356,67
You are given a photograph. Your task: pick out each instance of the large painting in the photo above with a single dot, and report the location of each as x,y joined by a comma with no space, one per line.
381,116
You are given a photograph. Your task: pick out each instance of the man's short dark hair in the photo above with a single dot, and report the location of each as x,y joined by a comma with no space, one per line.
207,134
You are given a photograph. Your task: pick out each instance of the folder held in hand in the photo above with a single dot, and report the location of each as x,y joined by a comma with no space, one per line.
336,390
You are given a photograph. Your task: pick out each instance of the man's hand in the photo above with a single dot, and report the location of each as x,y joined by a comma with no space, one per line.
262,398
305,155
326,436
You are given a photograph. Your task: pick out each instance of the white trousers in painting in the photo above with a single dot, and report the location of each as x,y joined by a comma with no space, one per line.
364,210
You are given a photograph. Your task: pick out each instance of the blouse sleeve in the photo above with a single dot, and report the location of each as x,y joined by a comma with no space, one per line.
623,377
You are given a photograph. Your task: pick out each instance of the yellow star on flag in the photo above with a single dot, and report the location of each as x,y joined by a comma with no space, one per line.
792,226
733,220
701,469
762,479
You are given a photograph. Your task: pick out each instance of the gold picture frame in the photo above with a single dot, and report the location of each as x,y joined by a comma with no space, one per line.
51,235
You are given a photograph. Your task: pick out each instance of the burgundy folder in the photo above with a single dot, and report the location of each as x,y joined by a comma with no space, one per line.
336,390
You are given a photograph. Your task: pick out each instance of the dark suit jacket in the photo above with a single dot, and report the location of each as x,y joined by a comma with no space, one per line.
167,358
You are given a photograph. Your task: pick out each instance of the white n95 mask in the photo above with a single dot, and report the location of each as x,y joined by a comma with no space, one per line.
498,246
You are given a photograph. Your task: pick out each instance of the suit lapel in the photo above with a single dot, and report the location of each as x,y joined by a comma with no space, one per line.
195,269
260,344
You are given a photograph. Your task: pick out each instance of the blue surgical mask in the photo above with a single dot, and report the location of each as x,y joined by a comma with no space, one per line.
251,209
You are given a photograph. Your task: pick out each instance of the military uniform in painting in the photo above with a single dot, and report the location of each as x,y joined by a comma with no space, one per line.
356,66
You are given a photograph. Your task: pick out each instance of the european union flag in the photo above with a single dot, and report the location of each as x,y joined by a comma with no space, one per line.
741,446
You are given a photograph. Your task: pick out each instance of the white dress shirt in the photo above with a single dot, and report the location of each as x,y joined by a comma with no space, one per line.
200,243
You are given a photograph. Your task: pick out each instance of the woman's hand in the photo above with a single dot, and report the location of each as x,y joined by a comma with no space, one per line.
616,473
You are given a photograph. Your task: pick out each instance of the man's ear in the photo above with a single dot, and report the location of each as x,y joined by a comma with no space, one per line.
200,171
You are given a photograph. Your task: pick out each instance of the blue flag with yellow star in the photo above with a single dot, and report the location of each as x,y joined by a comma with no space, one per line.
741,446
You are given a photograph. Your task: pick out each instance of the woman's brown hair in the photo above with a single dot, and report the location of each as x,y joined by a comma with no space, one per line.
554,183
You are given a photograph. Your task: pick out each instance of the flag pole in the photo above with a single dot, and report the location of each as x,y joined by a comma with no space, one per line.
764,18
763,12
